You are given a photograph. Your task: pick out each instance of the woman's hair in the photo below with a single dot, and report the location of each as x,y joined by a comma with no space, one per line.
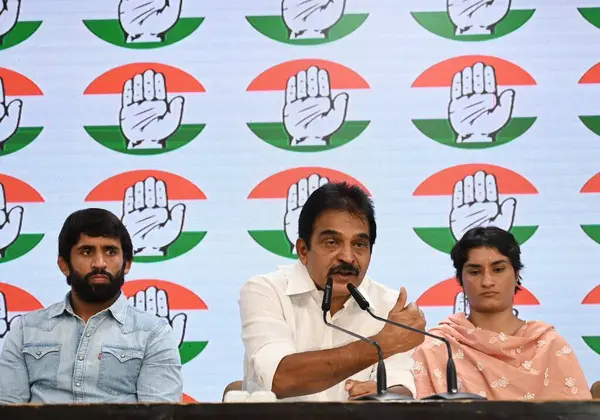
489,237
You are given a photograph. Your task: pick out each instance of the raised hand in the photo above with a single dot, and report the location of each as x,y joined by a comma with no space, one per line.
476,111
153,226
397,340
308,19
10,116
475,203
310,116
156,302
9,14
298,193
10,223
148,20
476,17
147,119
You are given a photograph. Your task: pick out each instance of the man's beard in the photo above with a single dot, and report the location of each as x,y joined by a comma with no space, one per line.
96,293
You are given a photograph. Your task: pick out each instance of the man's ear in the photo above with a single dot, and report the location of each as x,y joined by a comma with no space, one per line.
63,266
302,250
127,267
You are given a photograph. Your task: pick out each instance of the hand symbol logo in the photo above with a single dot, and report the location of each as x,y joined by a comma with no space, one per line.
147,119
476,111
298,193
10,223
10,116
148,20
475,203
311,19
476,17
9,14
156,301
310,116
5,323
153,226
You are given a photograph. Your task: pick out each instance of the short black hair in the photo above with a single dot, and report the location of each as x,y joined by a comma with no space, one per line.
336,196
489,237
92,222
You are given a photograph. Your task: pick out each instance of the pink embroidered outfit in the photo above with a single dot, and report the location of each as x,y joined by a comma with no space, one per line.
534,364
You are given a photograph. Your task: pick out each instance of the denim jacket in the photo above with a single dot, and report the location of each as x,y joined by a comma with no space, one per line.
121,355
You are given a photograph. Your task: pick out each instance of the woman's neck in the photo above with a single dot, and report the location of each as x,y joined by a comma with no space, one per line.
505,321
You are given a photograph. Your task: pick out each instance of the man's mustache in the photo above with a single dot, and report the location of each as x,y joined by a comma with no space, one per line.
99,272
344,268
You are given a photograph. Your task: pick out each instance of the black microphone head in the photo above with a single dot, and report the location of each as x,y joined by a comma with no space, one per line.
358,297
326,305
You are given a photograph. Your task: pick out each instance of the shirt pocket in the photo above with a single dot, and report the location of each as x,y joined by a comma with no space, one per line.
119,370
42,362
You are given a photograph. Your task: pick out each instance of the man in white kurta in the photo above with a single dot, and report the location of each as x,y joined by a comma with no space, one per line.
289,349
281,315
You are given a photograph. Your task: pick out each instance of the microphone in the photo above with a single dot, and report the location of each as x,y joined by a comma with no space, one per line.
451,376
382,394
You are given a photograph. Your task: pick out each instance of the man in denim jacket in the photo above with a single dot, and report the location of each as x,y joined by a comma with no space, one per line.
93,347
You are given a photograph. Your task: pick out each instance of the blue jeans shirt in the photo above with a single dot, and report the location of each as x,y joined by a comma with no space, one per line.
121,355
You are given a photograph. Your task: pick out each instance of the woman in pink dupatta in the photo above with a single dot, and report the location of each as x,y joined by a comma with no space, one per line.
497,355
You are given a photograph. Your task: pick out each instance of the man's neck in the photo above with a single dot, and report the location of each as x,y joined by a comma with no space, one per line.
505,321
86,310
337,303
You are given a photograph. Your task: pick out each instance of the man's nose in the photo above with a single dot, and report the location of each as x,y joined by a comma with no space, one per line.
346,255
99,261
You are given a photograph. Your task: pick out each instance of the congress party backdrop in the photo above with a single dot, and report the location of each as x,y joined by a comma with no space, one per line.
205,125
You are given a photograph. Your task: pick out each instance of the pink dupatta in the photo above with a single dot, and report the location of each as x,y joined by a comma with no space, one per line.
534,364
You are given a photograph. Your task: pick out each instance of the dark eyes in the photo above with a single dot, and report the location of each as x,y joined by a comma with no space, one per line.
88,251
477,272
333,242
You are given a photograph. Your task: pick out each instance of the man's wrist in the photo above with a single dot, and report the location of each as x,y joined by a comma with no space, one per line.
383,343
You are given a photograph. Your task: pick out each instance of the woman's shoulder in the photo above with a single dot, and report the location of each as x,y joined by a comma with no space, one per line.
539,329
446,329
545,333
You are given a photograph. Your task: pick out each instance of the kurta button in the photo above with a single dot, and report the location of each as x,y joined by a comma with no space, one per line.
80,357
38,352
77,384
122,356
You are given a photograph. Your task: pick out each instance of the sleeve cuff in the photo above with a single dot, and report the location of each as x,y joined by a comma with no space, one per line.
267,359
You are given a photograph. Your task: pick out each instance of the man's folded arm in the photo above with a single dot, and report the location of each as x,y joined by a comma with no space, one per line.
271,349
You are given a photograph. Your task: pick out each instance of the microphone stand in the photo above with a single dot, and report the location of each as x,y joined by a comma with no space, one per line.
451,376
382,393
